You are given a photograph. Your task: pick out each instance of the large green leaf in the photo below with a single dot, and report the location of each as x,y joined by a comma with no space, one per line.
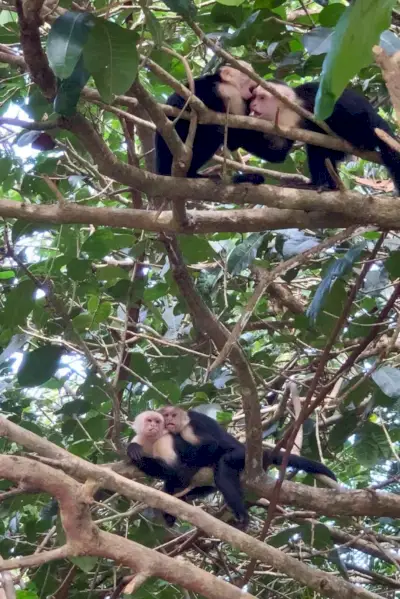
69,90
243,255
337,269
371,444
357,31
186,8
19,303
66,40
39,365
111,56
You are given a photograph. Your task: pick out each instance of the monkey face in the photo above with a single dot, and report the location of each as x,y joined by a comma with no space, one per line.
263,105
149,424
172,419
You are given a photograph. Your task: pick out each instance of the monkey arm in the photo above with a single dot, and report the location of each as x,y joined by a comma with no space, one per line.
154,467
268,147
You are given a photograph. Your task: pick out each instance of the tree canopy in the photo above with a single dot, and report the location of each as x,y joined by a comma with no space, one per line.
274,308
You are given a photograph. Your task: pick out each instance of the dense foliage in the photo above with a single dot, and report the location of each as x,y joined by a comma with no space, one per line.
95,326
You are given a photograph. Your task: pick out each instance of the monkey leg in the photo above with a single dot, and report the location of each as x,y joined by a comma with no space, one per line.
227,480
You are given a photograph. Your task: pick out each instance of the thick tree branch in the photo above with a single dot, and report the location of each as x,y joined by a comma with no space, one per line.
83,537
330,502
206,116
35,58
205,321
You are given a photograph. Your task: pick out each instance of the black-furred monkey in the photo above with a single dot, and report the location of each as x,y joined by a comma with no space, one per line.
196,441
353,118
227,89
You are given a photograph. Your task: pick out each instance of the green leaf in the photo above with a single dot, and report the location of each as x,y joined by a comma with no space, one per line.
359,327
186,8
195,249
103,312
75,407
66,40
139,364
25,594
79,270
86,563
39,365
111,57
69,90
231,2
111,274
154,27
371,444
358,30
242,256
81,448
387,379
7,274
336,270
93,304
330,15
392,264
83,322
104,240
19,303
5,168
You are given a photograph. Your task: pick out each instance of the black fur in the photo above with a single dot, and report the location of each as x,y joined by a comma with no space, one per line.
353,118
208,138
220,450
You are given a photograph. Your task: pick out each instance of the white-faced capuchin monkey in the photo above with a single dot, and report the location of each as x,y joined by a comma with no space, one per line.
353,118
158,454
198,441
227,90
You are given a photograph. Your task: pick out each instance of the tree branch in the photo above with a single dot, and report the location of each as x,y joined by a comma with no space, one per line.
83,537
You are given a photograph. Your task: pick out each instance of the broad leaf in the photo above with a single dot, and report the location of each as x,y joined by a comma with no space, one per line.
242,256
66,40
39,365
110,55
357,31
336,270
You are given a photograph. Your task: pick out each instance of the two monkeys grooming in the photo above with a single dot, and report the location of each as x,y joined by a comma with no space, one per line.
174,445
229,90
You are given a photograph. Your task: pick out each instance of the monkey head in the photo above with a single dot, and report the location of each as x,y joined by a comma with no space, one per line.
265,106
175,419
149,425
235,88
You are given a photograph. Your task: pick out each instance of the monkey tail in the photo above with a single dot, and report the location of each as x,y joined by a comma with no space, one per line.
299,463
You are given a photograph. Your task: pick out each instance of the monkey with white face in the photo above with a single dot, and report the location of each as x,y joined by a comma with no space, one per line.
195,441
353,118
228,90
160,454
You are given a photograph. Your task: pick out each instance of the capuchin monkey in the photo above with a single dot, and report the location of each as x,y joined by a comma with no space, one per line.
157,453
353,118
195,441
227,90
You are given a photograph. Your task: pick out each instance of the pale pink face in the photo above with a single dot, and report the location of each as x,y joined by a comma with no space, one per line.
263,105
149,424
172,419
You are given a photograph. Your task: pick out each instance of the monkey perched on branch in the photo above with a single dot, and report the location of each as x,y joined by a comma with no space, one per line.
174,445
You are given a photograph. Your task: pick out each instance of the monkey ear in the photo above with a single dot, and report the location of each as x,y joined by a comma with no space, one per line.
133,424
226,74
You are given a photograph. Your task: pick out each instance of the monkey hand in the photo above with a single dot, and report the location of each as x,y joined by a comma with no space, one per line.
252,178
135,452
